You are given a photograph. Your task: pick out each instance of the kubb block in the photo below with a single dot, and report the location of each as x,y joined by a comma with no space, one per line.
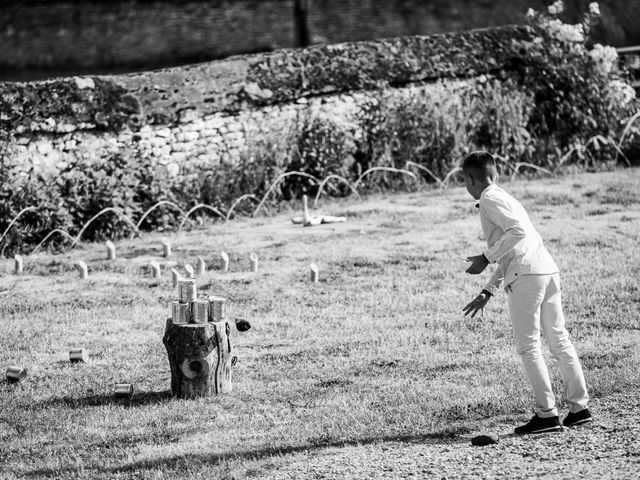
313,273
78,355
225,261
484,440
111,250
156,271
175,277
18,265
190,272
166,248
253,258
15,374
202,266
123,390
83,271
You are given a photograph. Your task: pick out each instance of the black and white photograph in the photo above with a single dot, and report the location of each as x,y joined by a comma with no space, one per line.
319,239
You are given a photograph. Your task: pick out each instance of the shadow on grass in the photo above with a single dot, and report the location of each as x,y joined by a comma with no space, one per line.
137,400
176,462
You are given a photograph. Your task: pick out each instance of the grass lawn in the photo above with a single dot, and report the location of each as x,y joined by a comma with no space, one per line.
378,349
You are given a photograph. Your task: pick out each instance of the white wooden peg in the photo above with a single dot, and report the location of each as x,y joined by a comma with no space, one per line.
175,277
225,261
202,266
156,271
254,262
18,264
83,271
166,248
190,272
111,250
313,273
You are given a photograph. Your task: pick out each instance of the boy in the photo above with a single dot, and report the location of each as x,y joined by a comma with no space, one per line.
532,282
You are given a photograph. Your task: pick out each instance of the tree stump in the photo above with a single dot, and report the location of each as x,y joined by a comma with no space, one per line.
199,357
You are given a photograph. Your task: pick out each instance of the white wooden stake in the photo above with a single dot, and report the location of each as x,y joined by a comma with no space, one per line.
166,248
156,271
175,277
189,269
254,262
15,374
83,271
225,261
78,355
18,265
314,273
111,250
202,266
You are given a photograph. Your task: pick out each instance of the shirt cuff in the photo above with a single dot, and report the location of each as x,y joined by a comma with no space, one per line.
489,257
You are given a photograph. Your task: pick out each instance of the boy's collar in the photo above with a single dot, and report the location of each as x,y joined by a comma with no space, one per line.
489,187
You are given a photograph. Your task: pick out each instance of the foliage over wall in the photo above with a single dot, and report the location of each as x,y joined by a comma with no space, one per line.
535,95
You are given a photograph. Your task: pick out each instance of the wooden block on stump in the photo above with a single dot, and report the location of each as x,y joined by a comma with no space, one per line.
18,265
199,357
111,250
217,309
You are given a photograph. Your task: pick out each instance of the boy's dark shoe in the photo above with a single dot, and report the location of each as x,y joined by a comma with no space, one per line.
578,418
539,425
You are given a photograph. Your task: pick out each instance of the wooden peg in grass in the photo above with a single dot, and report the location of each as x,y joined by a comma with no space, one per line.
15,374
83,271
156,271
18,265
313,273
225,261
175,277
202,266
111,250
254,262
190,272
166,248
78,355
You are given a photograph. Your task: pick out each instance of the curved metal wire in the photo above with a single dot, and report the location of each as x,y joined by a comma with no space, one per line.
50,234
246,196
277,180
159,204
24,210
385,169
198,207
99,214
425,169
331,177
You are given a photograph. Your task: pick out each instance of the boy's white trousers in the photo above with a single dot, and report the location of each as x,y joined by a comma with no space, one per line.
535,307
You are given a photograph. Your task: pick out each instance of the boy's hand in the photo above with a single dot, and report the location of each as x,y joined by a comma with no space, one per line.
478,264
477,304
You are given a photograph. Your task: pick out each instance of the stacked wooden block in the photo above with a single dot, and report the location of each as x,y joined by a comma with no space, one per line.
191,309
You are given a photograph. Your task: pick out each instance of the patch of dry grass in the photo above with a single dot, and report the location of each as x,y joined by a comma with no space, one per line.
378,349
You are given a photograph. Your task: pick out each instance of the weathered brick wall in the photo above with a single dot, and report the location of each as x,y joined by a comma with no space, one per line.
44,37
194,117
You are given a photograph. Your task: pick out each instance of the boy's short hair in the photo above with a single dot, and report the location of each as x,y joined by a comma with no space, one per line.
480,164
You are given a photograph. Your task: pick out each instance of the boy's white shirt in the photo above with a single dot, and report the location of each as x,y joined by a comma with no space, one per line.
514,244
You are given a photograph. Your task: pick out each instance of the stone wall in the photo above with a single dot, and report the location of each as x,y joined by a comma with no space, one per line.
195,117
41,38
